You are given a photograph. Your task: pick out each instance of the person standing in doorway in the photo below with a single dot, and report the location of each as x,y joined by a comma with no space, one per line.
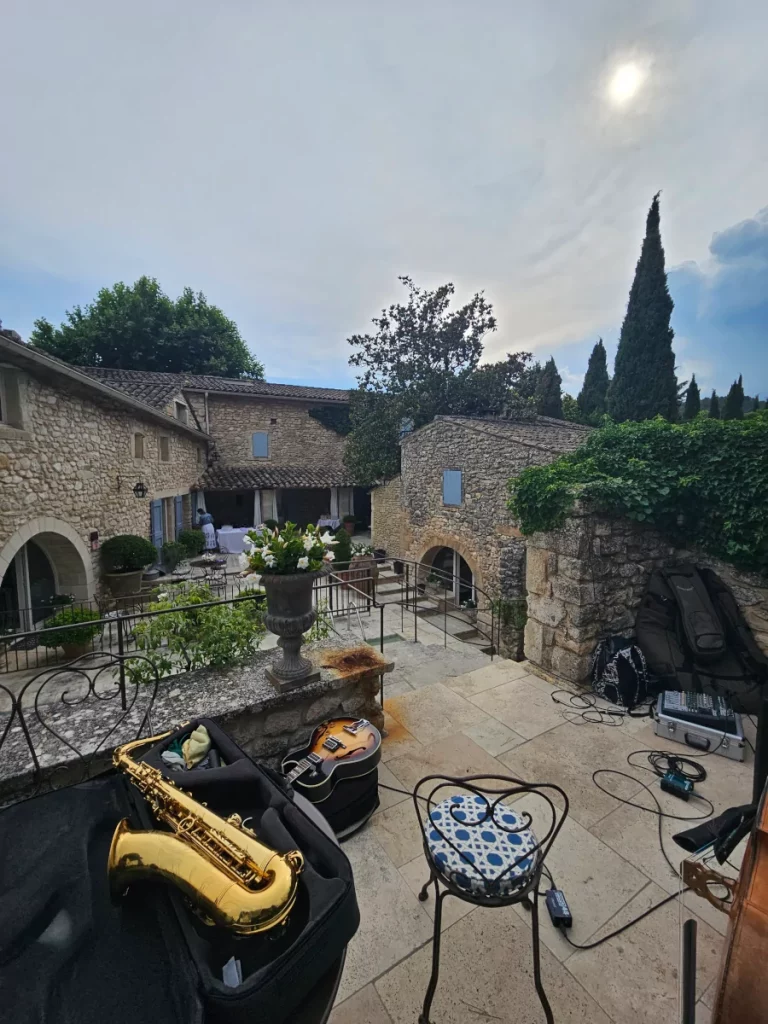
205,519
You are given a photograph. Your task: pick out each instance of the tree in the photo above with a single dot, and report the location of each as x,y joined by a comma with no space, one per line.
714,407
592,397
644,383
571,411
422,361
755,404
549,396
138,327
734,401
692,400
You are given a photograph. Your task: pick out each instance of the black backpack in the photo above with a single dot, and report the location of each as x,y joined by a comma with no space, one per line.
619,673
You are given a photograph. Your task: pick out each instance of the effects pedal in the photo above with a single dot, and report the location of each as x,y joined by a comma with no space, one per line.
558,908
677,785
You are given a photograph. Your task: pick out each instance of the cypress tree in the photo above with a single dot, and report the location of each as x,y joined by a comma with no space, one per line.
755,403
644,383
734,402
692,400
714,407
592,397
549,397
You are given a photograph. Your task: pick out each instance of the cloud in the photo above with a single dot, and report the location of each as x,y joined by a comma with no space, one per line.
721,308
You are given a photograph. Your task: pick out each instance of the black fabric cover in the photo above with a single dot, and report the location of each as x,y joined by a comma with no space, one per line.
351,802
280,966
736,673
69,956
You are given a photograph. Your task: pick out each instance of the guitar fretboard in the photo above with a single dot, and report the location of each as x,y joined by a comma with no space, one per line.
304,765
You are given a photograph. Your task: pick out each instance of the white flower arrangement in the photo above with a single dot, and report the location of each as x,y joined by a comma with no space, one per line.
290,550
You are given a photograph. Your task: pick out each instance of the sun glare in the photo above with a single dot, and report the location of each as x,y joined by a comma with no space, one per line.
625,83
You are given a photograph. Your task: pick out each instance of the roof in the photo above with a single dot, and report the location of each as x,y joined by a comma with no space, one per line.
157,389
31,357
244,478
542,432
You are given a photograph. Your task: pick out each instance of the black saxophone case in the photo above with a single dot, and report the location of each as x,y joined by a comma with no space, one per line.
68,955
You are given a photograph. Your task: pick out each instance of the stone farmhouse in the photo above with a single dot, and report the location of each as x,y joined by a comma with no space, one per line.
447,510
76,443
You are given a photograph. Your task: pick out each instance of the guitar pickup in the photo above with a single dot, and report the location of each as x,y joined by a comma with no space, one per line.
332,744
354,728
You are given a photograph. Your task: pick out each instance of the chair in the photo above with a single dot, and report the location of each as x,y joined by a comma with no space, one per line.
485,852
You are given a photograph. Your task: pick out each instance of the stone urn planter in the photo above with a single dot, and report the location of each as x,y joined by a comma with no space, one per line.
290,614
123,584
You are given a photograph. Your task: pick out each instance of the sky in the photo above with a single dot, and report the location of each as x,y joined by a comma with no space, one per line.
291,160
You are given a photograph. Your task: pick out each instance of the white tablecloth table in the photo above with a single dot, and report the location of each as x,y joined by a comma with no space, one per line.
326,522
231,540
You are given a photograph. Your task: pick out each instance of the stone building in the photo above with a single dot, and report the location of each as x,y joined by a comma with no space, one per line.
71,452
447,511
274,452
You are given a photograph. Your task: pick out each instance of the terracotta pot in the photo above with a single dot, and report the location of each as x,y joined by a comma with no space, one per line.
290,614
72,651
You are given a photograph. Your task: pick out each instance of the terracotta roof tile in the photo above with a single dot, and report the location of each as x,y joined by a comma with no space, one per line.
229,478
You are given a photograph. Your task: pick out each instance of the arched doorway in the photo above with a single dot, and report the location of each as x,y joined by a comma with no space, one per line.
37,565
450,570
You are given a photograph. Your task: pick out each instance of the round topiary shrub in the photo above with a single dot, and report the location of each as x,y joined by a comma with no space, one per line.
127,553
78,635
193,542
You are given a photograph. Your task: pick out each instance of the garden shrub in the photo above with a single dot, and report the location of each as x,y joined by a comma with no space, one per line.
342,550
127,553
703,483
79,634
173,552
193,542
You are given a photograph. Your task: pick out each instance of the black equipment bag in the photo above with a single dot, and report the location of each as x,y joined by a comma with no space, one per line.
351,803
68,955
695,638
619,673
279,966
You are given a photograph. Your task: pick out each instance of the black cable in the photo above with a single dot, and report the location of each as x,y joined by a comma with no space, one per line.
591,713
629,924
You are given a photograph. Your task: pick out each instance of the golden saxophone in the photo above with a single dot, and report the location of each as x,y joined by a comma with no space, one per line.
230,877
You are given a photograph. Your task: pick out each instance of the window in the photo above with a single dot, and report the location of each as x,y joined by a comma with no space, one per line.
451,486
182,413
199,455
2,398
10,399
260,444
164,448
138,446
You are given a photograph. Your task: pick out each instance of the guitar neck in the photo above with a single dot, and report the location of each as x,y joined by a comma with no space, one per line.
305,765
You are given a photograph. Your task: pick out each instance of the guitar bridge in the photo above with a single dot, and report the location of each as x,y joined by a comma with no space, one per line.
699,878
354,728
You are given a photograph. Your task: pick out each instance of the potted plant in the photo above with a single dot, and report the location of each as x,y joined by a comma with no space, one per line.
172,553
349,524
123,560
288,562
77,640
193,542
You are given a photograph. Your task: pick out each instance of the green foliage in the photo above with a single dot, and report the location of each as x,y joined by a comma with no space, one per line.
734,402
692,400
703,483
421,362
322,626
127,553
714,407
193,542
290,550
549,395
755,404
333,417
76,635
571,411
138,327
271,524
593,395
644,383
512,613
223,634
173,552
342,550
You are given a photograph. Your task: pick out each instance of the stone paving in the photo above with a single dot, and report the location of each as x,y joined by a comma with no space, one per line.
450,709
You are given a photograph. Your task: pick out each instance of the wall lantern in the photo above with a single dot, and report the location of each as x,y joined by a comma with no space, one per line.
140,490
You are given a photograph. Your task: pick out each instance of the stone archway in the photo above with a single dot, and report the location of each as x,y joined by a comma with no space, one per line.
432,543
65,550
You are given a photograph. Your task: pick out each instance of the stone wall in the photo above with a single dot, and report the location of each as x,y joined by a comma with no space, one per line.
295,438
388,518
586,580
74,463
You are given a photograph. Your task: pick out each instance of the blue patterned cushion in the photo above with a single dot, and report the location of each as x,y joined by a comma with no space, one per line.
482,847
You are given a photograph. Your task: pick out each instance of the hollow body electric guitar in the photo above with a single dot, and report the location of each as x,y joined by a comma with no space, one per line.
342,748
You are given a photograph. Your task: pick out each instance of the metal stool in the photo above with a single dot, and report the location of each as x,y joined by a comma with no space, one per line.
484,852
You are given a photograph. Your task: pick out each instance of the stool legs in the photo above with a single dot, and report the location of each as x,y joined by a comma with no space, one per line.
537,958
439,897
424,894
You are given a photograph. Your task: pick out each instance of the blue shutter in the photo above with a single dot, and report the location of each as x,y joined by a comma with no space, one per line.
179,510
260,444
451,486
156,513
